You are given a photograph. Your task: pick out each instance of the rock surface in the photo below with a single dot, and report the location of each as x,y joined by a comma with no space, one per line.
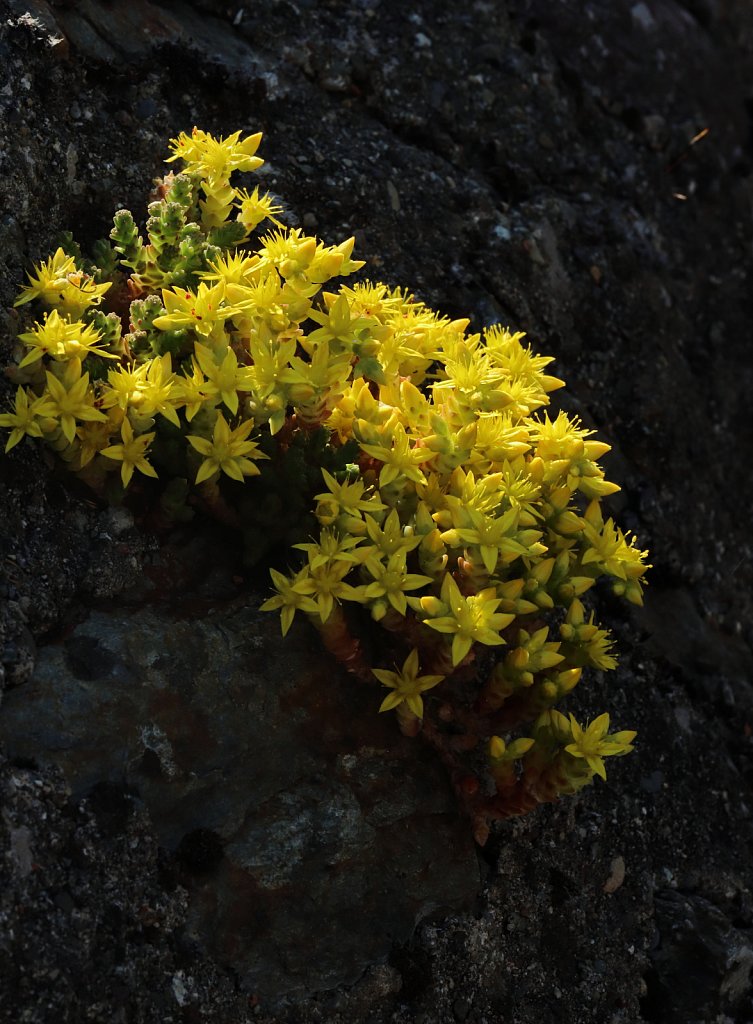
531,162
310,837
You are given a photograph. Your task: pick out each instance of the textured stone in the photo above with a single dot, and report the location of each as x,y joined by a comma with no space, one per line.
134,29
702,963
334,835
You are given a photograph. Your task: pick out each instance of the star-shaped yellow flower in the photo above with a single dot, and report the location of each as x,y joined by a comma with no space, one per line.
331,547
346,497
594,744
25,417
224,378
392,580
229,451
125,387
390,537
400,459
132,453
158,390
71,399
61,339
198,311
60,285
471,618
254,208
326,584
288,599
213,158
406,685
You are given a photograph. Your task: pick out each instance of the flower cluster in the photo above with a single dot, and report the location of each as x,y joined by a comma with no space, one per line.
410,461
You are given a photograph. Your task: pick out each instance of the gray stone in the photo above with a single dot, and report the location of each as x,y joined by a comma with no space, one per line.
702,964
336,835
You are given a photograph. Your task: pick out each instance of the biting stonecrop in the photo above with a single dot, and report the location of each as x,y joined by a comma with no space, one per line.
410,462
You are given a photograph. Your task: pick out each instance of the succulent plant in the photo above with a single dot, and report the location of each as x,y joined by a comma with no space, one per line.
409,463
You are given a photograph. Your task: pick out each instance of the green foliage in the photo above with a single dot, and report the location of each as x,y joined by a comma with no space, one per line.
409,464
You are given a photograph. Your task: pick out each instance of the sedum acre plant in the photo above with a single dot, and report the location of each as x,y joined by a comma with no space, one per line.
435,511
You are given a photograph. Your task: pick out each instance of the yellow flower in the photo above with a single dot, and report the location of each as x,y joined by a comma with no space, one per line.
390,539
406,685
346,497
225,378
612,552
324,374
198,312
326,584
563,446
25,419
590,644
232,268
51,278
271,358
125,387
391,581
331,548
94,437
471,618
158,390
216,159
265,304
131,453
400,460
288,599
333,261
61,340
336,324
518,360
490,536
466,492
499,439
71,399
593,744
289,250
191,392
532,655
229,451
350,404
59,284
255,208
471,374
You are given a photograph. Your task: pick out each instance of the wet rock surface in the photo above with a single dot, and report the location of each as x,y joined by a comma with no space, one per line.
528,162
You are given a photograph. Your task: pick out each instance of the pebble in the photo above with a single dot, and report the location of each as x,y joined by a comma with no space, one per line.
394,196
461,1008
617,875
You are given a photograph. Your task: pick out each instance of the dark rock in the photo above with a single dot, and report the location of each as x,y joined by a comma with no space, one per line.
702,965
293,806
79,893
